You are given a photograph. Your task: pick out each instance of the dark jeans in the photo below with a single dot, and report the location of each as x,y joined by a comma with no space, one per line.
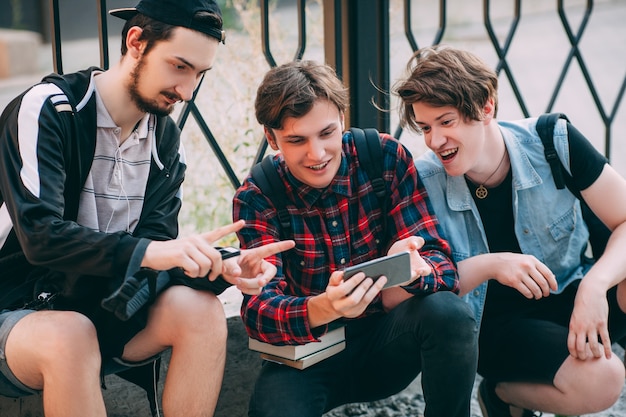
435,335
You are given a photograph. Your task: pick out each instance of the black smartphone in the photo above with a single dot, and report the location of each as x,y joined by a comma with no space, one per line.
229,252
396,267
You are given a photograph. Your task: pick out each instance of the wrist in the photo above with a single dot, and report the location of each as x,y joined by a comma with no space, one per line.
591,286
320,310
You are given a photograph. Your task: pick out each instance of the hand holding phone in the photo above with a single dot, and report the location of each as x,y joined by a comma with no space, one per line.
396,267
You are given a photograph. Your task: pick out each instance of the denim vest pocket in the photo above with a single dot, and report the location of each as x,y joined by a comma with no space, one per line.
563,226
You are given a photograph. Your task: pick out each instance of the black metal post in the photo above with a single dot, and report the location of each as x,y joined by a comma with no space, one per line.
364,66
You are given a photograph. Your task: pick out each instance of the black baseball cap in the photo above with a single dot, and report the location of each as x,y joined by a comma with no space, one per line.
177,13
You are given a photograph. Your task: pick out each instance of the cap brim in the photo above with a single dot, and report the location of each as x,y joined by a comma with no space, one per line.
124,13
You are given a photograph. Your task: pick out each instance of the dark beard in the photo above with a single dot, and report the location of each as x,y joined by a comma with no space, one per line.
146,106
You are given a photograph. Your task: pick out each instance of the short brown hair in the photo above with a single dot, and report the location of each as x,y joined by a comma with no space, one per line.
444,76
291,90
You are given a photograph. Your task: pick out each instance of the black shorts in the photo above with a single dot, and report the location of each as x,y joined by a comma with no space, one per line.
526,340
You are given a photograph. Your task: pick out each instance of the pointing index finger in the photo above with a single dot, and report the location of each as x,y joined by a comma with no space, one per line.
223,231
273,248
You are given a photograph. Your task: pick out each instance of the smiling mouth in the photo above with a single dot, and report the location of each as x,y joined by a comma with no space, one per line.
318,167
448,154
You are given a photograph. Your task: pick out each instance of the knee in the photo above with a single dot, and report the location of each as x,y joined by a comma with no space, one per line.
66,335
446,312
191,311
598,383
48,346
608,383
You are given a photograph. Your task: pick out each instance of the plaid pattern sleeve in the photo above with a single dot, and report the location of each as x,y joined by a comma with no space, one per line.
411,214
277,315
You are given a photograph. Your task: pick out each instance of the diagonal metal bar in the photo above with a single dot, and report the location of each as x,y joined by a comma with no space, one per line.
190,108
214,145
260,153
608,113
408,25
607,134
574,40
301,30
575,53
502,50
408,32
265,45
265,33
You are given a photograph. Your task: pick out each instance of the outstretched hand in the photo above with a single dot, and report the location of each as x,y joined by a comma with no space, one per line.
412,244
194,254
250,272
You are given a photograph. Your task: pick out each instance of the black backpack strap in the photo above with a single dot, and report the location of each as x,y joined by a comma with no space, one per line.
271,185
598,232
370,154
545,129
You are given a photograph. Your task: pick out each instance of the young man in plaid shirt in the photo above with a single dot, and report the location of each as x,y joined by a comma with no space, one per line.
336,220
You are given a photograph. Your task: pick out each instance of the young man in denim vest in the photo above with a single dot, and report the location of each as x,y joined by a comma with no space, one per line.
548,313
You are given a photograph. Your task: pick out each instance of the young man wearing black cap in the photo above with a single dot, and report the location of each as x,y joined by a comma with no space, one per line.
90,177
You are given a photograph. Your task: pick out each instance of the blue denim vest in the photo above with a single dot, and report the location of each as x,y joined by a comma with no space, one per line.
548,225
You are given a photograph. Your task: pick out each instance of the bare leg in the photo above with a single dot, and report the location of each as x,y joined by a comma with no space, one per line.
57,351
580,387
193,324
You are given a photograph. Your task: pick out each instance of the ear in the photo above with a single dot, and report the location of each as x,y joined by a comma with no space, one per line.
271,140
134,45
342,117
489,110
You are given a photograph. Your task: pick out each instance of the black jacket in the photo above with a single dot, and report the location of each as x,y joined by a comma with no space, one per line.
47,143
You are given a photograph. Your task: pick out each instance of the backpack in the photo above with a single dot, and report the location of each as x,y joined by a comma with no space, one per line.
598,232
370,156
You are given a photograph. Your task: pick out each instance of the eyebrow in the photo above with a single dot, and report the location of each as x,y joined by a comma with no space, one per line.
438,117
189,64
330,125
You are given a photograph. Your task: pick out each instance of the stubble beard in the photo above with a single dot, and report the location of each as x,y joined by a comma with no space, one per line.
143,104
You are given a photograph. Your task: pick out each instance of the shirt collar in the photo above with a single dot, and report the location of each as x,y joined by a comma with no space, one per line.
103,118
105,121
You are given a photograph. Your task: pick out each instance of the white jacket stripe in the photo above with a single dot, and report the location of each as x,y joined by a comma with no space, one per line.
28,133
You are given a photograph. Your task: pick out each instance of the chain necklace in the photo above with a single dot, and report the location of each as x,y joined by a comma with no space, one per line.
482,192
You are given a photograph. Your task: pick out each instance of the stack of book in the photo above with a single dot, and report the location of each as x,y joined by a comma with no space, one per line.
302,356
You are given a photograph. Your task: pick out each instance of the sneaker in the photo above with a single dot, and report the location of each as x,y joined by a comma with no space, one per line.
492,406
